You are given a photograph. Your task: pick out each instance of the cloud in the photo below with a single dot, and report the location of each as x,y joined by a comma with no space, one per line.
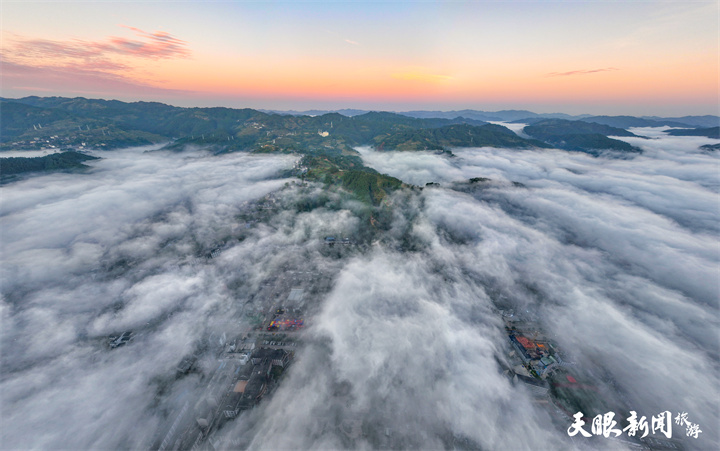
425,377
133,255
580,72
593,245
157,45
78,66
615,260
351,42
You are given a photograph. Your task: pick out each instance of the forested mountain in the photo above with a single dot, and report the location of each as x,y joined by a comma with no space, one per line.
712,132
79,123
53,162
442,138
580,136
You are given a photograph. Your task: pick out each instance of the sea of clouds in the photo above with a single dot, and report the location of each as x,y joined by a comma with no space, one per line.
617,259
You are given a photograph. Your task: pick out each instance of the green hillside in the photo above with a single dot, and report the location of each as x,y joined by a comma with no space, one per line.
711,132
54,162
461,135
580,136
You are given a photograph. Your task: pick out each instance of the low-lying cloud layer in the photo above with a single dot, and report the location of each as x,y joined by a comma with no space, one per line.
121,248
617,260
621,256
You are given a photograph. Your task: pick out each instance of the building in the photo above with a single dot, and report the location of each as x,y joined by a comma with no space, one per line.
246,393
546,365
296,296
521,348
286,324
276,357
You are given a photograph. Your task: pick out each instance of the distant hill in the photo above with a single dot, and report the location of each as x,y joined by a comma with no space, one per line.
461,135
529,117
152,117
29,127
592,144
349,112
712,132
18,118
485,116
504,115
54,162
580,136
547,128
692,121
79,123
631,121
222,129
711,147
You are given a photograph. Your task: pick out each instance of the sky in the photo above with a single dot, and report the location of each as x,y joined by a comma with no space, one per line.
629,57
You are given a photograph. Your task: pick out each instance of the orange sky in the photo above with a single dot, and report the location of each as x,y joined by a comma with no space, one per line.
578,57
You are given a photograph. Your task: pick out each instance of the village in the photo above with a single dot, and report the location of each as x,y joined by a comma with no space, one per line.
555,381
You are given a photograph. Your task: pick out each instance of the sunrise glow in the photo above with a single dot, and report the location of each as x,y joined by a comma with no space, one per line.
642,58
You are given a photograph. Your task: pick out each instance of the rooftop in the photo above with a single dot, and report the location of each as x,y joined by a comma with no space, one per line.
296,295
240,387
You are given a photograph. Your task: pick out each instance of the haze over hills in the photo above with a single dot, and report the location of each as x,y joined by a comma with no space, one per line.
58,123
503,115
525,116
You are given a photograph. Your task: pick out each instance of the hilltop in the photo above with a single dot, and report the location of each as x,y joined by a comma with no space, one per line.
463,135
80,123
10,167
580,136
711,132
326,139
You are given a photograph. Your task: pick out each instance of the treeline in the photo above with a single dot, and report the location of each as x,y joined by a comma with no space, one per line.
228,129
710,132
348,172
53,162
580,136
460,135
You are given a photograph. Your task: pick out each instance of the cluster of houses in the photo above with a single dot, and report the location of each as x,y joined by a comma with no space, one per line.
540,357
253,380
536,358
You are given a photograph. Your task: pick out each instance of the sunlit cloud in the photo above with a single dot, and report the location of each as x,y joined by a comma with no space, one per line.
580,72
108,66
352,42
157,45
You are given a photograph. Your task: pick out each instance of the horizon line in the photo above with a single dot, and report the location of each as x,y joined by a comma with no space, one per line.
296,111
